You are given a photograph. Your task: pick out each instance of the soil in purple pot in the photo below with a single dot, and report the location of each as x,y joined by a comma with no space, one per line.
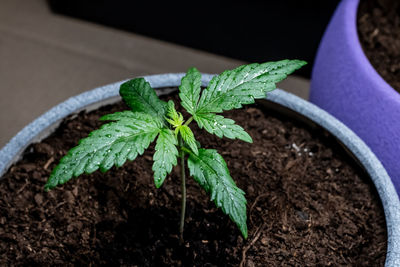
379,33
308,204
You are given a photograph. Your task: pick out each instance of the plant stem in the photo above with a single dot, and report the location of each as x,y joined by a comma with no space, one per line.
189,121
183,188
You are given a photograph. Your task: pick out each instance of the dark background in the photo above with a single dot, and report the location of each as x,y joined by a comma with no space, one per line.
253,31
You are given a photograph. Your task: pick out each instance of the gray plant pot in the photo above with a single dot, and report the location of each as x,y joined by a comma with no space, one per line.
46,123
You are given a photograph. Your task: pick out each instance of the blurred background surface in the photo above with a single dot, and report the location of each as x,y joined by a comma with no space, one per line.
52,50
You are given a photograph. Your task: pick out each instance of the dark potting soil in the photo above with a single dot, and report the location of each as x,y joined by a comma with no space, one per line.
379,32
308,205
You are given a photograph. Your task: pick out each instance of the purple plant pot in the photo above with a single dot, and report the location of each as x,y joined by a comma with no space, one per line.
345,84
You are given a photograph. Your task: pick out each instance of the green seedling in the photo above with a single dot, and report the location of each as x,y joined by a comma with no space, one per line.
132,131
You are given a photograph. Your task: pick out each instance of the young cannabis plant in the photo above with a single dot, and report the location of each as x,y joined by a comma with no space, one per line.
131,132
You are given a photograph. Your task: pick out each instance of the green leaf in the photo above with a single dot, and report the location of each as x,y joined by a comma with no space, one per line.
171,111
210,171
110,145
175,118
140,97
220,126
189,91
240,86
131,116
188,137
165,155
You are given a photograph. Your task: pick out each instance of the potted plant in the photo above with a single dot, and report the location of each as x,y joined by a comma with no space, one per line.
345,84
117,217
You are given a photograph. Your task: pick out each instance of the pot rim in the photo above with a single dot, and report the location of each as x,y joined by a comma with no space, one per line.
350,10
389,198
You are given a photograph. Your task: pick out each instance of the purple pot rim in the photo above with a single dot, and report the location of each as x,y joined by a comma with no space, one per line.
361,59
